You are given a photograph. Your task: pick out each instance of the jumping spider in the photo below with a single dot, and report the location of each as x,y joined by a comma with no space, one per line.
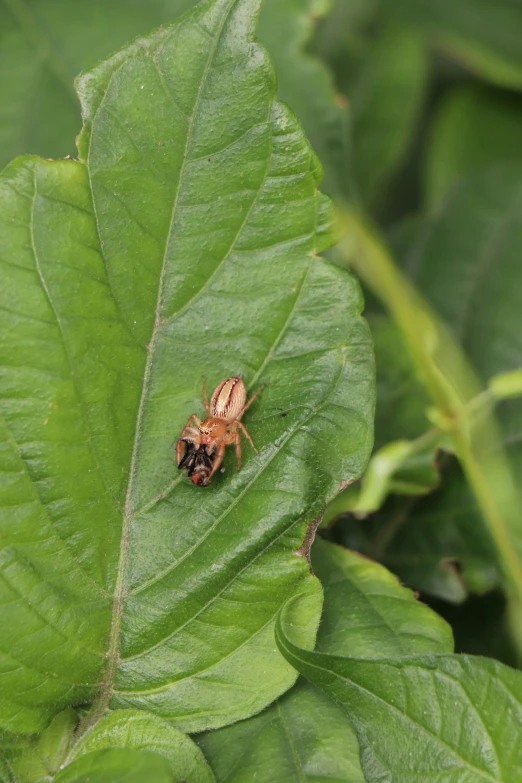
201,446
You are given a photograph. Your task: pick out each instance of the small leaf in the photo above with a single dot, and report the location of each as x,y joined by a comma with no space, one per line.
184,243
132,729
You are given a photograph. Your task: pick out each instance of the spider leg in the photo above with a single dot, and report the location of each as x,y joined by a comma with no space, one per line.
237,443
217,462
188,435
249,403
193,420
205,395
245,432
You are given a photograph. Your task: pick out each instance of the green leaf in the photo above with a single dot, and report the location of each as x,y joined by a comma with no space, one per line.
474,127
439,545
285,27
367,608
306,736
44,45
117,766
185,243
132,729
417,715
36,757
485,36
386,96
303,737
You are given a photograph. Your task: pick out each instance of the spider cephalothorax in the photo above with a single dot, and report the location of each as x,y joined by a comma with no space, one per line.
201,446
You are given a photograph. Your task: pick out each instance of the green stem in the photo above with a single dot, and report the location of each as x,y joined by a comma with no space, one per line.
454,389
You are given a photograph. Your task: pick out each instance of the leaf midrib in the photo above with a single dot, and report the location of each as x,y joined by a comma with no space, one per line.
293,654
119,593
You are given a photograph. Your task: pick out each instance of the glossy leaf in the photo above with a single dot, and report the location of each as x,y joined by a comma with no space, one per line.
306,736
184,243
474,127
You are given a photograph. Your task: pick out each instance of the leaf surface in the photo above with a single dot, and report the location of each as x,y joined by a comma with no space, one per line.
447,718
138,730
117,766
44,44
184,243
305,736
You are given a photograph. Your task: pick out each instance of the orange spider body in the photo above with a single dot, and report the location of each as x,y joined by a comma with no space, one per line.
202,444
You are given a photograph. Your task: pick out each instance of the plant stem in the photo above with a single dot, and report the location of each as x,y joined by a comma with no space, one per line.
454,389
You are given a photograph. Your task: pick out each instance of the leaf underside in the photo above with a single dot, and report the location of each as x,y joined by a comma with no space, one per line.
184,242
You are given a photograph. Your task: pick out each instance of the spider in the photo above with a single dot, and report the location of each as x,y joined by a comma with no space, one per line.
202,444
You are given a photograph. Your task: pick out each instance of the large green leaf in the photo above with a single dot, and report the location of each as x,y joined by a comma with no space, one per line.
185,242
474,127
484,35
447,718
305,736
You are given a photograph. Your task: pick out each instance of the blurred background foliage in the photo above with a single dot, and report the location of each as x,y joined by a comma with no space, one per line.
415,109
